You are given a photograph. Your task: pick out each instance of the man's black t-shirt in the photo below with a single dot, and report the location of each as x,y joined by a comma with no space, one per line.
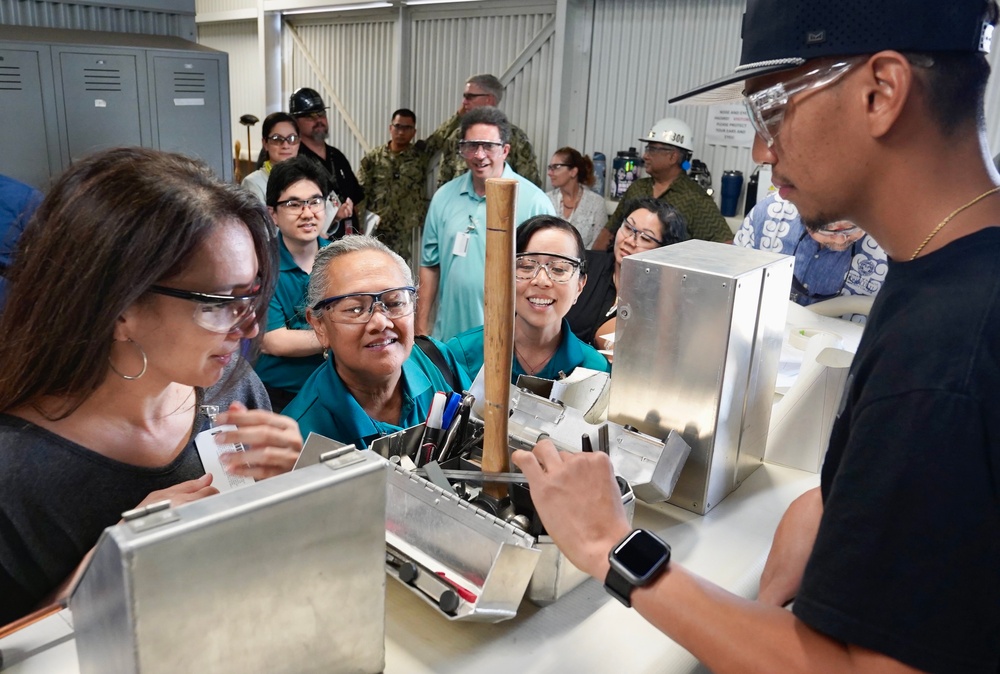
907,560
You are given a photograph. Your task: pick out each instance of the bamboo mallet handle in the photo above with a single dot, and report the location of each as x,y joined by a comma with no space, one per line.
498,330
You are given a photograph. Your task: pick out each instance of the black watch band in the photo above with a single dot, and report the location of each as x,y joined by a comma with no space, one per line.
636,561
618,587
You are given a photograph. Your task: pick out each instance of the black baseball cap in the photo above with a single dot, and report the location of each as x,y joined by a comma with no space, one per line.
783,34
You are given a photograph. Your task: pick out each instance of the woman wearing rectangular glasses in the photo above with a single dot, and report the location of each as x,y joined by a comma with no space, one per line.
648,223
361,301
133,300
550,273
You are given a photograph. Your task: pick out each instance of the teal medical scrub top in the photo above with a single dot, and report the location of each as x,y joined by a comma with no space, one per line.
467,348
288,310
325,405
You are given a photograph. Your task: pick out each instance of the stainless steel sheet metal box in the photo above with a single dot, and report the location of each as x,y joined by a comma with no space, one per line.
284,575
697,343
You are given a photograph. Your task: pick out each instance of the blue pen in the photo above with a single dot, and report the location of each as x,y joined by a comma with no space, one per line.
454,399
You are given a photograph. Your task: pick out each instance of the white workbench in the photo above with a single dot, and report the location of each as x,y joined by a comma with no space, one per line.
585,631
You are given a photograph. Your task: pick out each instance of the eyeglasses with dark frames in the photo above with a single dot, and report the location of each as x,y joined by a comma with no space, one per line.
216,313
315,204
559,270
472,97
360,307
278,139
631,232
553,167
652,148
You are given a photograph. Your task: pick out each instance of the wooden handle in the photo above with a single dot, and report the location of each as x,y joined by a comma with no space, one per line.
498,330
237,173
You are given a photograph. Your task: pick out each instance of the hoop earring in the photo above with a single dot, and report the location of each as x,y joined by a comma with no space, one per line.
144,362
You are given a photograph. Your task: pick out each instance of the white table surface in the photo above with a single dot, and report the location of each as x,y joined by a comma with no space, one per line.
585,631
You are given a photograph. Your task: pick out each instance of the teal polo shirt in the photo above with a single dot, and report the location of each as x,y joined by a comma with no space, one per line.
287,309
467,348
325,405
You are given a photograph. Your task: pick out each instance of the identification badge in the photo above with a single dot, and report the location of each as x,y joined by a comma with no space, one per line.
461,248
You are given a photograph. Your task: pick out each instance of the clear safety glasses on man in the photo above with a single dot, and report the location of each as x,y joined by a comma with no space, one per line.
470,148
766,107
360,307
215,313
559,270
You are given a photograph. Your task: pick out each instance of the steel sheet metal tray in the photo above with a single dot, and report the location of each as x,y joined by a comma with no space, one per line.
284,575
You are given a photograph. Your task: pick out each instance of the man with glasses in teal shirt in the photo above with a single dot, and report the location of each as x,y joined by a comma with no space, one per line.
296,199
453,250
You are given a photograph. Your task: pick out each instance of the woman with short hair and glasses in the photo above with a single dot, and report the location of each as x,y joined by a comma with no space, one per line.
649,223
550,271
361,300
572,176
134,300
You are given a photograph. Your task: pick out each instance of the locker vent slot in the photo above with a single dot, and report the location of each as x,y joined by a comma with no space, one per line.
102,79
10,78
189,82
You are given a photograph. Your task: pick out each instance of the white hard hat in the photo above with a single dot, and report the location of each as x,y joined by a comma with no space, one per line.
671,131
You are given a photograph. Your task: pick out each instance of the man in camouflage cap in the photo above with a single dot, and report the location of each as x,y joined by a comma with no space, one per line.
480,91
394,177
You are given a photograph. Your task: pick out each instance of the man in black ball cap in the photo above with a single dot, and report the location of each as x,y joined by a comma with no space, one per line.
869,111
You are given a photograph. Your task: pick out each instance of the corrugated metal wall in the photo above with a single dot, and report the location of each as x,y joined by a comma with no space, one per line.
246,82
355,55
447,48
43,14
644,52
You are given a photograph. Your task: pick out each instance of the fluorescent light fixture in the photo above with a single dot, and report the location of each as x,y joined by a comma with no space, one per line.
340,8
434,2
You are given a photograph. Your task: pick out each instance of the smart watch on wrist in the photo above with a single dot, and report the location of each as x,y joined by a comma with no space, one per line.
637,561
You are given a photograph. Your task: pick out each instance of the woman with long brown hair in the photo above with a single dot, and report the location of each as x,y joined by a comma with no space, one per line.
133,302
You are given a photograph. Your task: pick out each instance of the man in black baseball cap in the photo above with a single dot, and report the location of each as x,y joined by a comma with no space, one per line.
869,111
309,111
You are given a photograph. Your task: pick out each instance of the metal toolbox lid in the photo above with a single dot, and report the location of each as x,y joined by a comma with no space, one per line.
218,575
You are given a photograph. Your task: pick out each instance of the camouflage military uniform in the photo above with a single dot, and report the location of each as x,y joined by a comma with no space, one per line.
445,139
395,185
704,221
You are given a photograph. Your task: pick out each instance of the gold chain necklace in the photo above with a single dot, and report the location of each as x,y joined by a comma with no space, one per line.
944,222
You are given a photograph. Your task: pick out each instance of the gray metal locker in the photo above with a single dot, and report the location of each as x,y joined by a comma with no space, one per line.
187,107
72,92
99,103
29,134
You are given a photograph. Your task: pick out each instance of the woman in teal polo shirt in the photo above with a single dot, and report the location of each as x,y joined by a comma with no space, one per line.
550,272
361,300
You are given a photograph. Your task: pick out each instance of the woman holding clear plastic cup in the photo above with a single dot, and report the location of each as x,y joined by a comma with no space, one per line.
133,305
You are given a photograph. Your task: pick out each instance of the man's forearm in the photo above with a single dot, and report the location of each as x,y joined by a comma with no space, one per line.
793,543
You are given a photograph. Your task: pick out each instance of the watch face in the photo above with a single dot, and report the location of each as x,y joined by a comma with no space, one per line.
641,554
